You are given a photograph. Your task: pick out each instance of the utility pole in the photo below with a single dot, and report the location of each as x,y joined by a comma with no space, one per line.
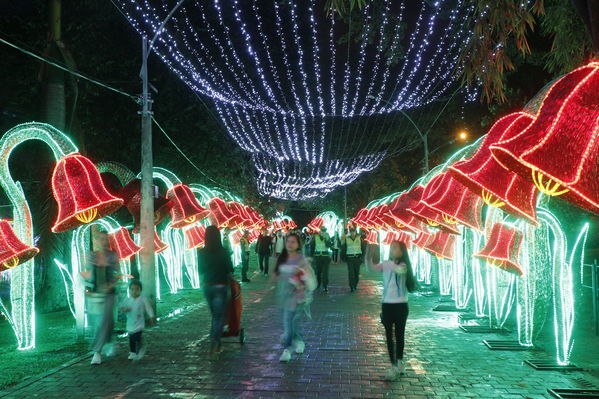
147,272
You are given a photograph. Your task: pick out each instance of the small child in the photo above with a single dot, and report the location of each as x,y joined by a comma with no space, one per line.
136,306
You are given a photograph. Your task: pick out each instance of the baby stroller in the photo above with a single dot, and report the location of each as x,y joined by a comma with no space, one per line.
234,307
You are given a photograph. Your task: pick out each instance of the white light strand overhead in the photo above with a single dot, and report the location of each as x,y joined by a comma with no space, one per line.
268,55
304,92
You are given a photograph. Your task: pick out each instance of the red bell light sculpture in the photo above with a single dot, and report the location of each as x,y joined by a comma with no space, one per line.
372,238
390,237
405,238
80,193
131,194
429,215
13,251
498,186
159,245
441,245
456,203
422,240
219,213
194,236
236,237
502,248
398,210
358,220
316,224
559,150
122,243
186,209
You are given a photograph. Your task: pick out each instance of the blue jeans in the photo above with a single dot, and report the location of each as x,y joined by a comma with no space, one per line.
292,326
216,296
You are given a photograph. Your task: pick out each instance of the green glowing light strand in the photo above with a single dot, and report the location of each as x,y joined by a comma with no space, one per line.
120,171
22,289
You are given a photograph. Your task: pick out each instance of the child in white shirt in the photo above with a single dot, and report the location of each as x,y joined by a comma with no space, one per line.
136,307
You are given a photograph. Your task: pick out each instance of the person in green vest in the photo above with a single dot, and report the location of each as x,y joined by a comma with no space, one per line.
352,246
322,257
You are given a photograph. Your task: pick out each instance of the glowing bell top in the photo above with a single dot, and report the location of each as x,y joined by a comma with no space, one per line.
498,186
131,194
398,209
186,209
358,220
502,248
13,251
159,245
219,213
80,193
194,236
455,202
122,243
316,224
559,150
441,245
429,215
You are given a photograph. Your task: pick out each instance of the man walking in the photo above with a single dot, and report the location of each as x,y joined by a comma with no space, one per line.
245,257
353,256
322,258
263,250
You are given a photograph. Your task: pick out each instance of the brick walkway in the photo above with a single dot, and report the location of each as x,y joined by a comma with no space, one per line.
345,357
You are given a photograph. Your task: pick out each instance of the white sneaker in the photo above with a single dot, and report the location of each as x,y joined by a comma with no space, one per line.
286,356
132,356
97,358
300,346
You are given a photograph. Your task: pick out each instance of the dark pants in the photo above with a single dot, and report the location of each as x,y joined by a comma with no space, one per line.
135,341
264,259
216,296
394,316
353,270
335,257
322,270
245,265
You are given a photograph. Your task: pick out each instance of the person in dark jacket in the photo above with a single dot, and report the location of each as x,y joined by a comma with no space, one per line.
263,249
215,269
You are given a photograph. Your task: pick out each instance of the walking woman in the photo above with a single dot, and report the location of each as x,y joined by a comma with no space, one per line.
295,285
398,280
104,267
216,269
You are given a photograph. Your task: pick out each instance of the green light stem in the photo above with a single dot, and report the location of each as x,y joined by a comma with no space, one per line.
22,290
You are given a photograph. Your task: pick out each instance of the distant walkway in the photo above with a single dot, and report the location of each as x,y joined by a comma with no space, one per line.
345,357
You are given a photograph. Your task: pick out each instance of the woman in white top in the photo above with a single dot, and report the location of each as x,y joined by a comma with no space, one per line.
398,280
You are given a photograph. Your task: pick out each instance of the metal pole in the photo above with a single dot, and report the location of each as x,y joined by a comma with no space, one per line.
147,270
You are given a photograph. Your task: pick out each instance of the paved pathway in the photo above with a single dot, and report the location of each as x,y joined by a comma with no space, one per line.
345,357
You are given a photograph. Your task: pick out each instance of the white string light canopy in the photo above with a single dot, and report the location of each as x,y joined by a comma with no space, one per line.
295,87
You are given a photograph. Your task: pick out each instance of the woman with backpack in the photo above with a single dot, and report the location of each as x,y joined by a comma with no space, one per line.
295,285
398,280
216,269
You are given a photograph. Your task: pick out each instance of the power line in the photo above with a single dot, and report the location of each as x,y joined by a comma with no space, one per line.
68,70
